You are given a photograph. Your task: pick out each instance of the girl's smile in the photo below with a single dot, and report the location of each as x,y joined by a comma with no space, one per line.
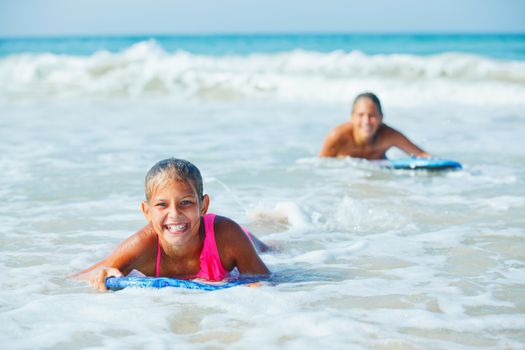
176,228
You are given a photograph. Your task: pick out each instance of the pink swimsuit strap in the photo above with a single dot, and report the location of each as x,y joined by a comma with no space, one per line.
211,265
157,265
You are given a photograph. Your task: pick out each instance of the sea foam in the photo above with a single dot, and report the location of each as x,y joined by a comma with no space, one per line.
145,69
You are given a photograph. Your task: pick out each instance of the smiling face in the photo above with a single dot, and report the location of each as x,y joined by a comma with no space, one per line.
366,119
174,210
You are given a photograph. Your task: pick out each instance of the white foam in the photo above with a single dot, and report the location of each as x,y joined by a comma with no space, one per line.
284,212
366,258
145,69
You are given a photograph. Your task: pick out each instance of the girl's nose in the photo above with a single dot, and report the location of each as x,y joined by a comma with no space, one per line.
173,211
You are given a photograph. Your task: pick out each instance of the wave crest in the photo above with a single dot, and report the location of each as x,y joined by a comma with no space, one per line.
146,69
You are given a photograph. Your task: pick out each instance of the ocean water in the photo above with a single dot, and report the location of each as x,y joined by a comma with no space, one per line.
366,258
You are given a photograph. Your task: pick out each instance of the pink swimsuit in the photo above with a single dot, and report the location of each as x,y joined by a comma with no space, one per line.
211,266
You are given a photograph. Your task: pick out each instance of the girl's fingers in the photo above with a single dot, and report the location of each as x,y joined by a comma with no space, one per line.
117,273
98,278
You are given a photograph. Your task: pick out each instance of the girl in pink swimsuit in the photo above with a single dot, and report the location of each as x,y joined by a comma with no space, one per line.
181,239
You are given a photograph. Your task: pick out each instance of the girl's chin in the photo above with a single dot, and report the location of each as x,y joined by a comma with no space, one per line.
367,131
174,233
173,237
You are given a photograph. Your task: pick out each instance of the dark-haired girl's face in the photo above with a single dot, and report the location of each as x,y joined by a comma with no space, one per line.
366,118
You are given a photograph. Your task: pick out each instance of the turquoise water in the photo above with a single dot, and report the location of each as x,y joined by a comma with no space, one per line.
500,46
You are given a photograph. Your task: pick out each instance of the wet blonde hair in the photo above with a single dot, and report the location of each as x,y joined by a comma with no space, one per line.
173,169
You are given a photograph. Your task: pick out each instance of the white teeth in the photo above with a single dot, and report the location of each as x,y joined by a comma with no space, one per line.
176,227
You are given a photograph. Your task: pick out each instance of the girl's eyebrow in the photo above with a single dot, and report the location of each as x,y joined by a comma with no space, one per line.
188,196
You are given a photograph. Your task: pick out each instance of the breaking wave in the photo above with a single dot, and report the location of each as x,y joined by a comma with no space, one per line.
145,69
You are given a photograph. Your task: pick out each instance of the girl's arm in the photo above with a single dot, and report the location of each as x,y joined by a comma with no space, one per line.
260,246
330,145
402,142
335,141
236,249
127,256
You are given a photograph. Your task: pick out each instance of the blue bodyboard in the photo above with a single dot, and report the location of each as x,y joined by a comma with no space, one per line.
117,283
422,164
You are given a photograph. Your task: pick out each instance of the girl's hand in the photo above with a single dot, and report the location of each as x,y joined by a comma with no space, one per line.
99,275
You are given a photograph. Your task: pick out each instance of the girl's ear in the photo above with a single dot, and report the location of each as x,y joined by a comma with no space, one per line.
205,204
144,206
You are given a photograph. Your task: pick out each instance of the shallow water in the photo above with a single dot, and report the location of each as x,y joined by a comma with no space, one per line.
367,258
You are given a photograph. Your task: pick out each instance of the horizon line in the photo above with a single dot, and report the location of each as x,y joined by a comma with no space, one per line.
261,34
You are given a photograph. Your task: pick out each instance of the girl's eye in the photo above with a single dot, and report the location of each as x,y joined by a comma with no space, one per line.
186,203
160,204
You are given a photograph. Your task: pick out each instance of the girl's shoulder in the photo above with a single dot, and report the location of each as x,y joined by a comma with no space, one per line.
139,246
145,236
385,129
229,234
224,226
387,135
233,244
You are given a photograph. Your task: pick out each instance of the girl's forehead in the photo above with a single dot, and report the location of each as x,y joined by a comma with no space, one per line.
362,102
365,104
176,188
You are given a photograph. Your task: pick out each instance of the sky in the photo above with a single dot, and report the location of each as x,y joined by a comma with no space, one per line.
30,18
